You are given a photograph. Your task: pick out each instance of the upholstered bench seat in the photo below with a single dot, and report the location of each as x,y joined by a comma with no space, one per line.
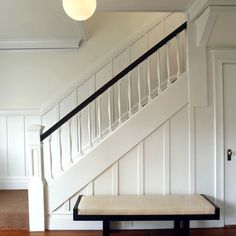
179,208
145,205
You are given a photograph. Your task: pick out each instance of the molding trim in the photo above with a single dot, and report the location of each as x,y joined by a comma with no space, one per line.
101,63
14,182
20,112
38,45
64,221
219,58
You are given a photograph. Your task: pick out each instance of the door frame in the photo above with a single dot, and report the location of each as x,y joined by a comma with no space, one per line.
219,58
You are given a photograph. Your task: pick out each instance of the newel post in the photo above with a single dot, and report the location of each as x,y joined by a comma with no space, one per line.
36,183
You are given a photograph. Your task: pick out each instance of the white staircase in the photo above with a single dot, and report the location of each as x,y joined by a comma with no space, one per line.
111,135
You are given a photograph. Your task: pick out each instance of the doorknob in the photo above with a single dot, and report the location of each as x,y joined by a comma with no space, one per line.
229,154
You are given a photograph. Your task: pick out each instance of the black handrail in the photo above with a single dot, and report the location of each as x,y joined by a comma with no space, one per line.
113,81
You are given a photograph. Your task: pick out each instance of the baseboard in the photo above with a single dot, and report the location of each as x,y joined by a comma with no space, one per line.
64,221
14,182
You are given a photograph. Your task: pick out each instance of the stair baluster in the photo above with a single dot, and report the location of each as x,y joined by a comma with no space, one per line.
177,55
168,64
149,80
158,73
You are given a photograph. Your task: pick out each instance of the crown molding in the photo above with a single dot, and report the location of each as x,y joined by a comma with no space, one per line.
20,112
22,45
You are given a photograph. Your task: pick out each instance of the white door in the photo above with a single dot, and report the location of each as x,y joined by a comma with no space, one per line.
229,75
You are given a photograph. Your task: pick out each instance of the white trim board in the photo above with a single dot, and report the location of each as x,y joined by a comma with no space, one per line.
14,182
20,112
38,45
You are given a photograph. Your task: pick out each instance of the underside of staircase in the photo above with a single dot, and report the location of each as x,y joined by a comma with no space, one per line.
14,212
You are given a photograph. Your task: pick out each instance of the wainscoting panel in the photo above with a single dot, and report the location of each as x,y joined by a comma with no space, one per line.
154,162
16,151
179,150
14,172
128,173
3,146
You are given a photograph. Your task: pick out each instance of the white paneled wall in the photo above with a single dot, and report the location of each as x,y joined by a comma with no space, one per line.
157,165
14,170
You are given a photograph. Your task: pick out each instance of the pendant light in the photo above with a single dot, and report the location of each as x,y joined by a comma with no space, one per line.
79,10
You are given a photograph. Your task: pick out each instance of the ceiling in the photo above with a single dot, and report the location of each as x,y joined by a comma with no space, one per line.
43,23
143,5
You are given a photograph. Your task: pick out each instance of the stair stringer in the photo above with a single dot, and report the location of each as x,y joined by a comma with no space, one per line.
118,143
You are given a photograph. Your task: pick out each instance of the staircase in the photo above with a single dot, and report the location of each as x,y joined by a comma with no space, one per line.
111,132
14,209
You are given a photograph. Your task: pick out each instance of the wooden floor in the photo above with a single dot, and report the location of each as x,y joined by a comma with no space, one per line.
229,231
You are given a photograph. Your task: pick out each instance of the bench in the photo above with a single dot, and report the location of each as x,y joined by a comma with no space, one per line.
178,208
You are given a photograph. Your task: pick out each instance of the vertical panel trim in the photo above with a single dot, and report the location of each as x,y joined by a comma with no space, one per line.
166,158
90,189
192,129
115,179
4,146
7,147
24,131
140,168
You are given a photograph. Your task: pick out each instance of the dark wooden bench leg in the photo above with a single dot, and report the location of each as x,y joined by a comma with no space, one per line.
185,228
177,227
106,227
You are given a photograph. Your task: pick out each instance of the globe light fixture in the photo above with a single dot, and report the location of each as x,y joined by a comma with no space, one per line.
79,10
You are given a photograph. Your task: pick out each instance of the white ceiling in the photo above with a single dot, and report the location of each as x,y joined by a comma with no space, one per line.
44,24
143,5
23,23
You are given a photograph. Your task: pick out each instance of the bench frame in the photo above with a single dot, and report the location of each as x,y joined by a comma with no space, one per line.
181,222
